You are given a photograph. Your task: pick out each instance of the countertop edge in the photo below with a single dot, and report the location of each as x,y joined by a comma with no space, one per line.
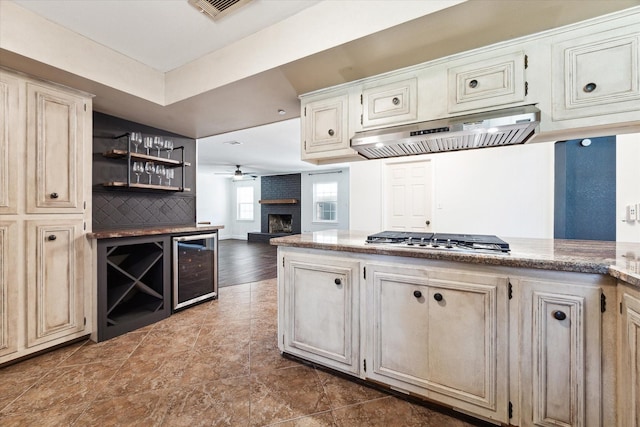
516,261
110,234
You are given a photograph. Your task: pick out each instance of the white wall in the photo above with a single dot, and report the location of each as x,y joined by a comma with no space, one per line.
213,200
216,203
506,191
627,185
341,176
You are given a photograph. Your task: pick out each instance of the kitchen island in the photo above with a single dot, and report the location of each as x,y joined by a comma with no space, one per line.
542,335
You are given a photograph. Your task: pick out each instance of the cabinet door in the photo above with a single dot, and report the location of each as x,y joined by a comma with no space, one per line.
54,150
54,280
560,350
485,83
441,334
597,74
8,289
391,103
321,314
326,124
629,370
11,142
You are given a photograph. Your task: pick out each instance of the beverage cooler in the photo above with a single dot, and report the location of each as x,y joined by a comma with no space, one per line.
195,269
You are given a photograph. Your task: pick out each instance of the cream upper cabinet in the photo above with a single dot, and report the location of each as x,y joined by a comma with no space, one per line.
560,354
55,280
389,102
55,135
441,334
597,74
11,142
321,319
487,82
629,361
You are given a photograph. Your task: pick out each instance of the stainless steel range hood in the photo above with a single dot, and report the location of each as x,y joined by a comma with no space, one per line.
491,129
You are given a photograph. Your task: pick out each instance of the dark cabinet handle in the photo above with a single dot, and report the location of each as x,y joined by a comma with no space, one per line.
54,195
590,87
417,294
559,315
395,100
473,84
331,132
437,297
337,281
52,237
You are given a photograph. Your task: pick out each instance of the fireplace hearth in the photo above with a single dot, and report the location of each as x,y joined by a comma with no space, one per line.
280,223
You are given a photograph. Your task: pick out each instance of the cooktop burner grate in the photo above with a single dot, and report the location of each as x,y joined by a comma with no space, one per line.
441,240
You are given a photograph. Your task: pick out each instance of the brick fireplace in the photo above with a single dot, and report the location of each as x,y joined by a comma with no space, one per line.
280,212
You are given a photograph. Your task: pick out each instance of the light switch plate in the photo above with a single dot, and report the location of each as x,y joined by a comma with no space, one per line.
632,212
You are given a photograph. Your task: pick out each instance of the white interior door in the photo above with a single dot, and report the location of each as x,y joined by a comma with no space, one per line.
408,196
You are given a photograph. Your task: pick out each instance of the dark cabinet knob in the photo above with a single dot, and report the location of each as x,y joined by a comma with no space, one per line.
54,195
52,237
331,132
417,294
559,315
395,100
437,296
338,281
473,84
590,87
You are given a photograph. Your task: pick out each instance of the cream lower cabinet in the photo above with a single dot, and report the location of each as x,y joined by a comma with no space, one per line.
560,354
55,280
441,334
320,321
629,361
8,289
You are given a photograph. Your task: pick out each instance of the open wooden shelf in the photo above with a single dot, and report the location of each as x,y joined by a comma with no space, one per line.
278,201
144,186
120,154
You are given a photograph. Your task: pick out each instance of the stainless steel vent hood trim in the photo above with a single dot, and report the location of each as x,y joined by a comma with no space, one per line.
490,129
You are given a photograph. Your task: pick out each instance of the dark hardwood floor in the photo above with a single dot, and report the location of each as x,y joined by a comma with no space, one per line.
241,262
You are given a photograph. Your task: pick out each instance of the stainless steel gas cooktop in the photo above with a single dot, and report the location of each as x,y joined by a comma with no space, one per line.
442,241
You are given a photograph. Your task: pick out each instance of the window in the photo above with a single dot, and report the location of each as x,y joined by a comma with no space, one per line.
325,201
244,201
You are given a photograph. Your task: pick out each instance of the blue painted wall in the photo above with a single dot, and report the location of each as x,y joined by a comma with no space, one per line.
585,189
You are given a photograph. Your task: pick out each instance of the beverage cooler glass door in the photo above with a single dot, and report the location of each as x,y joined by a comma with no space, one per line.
195,269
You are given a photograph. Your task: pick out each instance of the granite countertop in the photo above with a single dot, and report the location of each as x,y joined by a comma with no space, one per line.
109,234
620,260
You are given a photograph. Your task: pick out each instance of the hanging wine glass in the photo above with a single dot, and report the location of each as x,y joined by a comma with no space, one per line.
160,171
169,175
136,139
138,169
148,143
149,168
168,145
158,142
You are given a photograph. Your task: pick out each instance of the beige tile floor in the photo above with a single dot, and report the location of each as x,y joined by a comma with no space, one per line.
214,364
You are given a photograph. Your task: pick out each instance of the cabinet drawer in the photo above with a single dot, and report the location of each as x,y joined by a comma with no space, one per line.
487,83
390,103
597,74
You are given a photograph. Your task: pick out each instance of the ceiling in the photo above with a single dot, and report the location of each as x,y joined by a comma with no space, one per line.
169,35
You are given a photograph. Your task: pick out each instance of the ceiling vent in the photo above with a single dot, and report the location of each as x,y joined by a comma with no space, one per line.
217,9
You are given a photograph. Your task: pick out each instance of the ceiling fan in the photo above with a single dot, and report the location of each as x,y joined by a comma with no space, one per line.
238,175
